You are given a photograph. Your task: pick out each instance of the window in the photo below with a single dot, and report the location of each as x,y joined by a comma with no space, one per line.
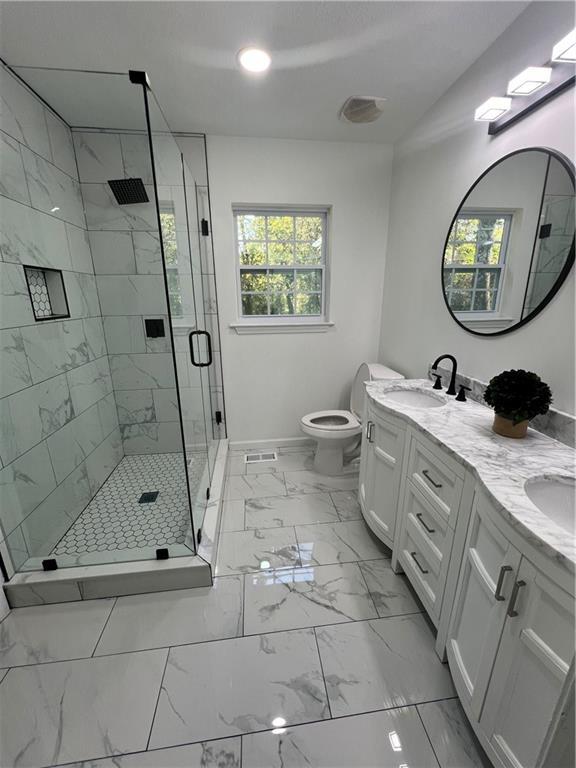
282,263
474,261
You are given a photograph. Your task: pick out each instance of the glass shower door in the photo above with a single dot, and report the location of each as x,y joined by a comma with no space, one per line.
175,193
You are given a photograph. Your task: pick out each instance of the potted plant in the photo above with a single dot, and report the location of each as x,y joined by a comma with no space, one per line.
516,396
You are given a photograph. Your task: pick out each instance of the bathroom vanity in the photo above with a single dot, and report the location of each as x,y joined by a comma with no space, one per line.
483,527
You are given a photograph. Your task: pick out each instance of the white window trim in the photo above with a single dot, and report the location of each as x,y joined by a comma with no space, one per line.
284,323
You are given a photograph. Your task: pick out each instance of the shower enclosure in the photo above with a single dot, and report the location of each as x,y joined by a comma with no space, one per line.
111,402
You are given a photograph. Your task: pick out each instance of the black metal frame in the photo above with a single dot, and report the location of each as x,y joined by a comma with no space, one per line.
46,269
569,167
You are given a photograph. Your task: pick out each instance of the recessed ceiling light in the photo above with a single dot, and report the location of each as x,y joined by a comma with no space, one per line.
565,50
528,81
56,208
254,59
493,108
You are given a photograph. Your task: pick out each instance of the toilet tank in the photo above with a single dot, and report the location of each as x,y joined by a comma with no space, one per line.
368,372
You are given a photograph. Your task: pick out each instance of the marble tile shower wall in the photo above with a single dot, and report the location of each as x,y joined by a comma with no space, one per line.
129,274
59,436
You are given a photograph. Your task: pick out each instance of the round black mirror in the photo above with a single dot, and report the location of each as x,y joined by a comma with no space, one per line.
511,243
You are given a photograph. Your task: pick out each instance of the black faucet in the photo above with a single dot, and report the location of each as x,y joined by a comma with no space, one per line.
452,386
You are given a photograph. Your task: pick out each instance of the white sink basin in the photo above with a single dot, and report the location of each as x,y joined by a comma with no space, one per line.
556,498
414,398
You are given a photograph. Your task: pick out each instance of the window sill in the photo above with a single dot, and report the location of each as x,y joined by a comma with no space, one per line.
271,327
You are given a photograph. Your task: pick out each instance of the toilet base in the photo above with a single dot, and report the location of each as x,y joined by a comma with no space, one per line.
333,459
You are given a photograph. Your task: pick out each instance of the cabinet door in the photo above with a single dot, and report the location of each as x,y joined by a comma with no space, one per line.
485,583
531,667
388,443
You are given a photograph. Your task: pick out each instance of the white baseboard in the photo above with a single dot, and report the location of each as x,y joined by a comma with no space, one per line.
279,442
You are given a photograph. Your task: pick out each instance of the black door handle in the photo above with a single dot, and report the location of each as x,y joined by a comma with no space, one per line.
208,344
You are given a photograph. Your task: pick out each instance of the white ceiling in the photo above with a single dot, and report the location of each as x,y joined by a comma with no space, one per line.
323,52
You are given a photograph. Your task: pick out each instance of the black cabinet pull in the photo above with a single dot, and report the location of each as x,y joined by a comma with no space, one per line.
209,346
413,556
427,476
512,612
503,571
423,524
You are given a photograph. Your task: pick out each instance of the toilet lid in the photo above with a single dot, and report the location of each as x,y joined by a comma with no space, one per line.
368,372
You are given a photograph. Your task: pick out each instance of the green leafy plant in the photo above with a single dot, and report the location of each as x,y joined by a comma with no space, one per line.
518,395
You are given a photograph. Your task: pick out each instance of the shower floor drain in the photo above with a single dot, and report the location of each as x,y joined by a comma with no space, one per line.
254,458
148,497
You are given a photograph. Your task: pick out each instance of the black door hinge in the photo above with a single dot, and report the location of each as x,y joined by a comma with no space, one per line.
218,417
204,227
199,536
207,493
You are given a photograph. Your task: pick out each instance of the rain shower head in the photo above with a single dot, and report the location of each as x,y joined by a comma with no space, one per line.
128,191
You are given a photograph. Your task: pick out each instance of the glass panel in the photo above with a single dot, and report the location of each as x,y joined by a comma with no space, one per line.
280,228
309,280
282,304
255,304
280,253
176,194
460,301
310,304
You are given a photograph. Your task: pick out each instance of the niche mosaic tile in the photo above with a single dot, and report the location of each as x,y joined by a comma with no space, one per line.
115,520
47,293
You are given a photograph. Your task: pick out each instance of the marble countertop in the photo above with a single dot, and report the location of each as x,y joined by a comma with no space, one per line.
464,431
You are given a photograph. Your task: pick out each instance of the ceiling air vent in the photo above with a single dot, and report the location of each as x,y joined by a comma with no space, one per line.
362,109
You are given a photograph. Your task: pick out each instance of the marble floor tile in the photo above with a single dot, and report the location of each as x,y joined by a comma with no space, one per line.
232,515
381,664
160,619
52,632
254,486
223,753
236,465
237,686
281,511
308,481
344,542
378,740
451,736
391,593
306,597
71,711
347,504
285,462
256,550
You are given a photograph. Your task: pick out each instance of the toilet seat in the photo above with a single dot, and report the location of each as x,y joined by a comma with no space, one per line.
331,424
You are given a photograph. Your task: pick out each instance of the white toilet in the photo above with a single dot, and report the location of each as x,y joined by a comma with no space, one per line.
338,432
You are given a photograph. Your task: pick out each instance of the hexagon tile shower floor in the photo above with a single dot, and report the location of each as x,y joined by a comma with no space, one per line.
115,519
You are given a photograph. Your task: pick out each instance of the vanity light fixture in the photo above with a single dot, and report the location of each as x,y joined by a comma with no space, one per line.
254,60
529,81
565,50
493,108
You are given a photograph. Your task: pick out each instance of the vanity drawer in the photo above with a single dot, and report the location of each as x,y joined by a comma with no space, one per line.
425,547
432,527
422,572
439,483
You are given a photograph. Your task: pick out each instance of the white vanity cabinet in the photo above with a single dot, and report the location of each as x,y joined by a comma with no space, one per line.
503,605
430,498
510,644
380,473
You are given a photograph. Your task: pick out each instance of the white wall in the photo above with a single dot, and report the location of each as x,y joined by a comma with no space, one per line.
270,381
433,169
